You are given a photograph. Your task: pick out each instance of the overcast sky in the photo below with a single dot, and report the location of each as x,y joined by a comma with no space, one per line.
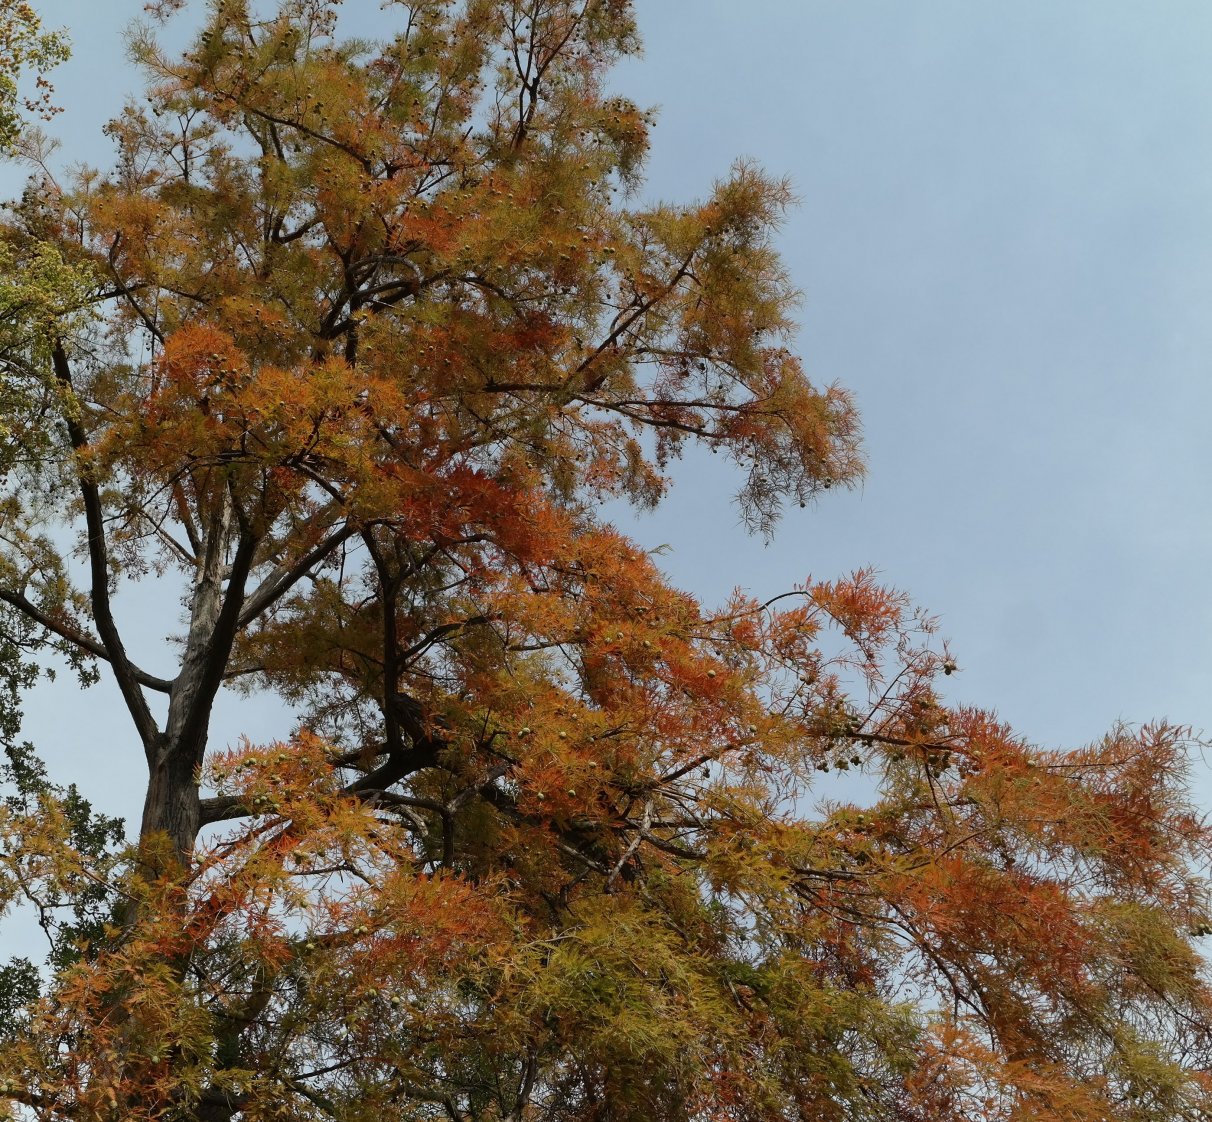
1005,246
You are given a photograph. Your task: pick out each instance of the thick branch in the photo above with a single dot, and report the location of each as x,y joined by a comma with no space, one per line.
77,638
284,578
370,788
217,651
98,557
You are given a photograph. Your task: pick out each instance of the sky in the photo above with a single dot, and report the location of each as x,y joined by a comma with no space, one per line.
1004,242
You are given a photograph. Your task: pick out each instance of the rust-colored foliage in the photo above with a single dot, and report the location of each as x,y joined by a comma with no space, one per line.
369,333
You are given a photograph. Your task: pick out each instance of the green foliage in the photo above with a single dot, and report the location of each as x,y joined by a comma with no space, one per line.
74,907
24,46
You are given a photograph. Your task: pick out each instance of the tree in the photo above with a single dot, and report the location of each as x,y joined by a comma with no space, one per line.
41,296
367,334
25,46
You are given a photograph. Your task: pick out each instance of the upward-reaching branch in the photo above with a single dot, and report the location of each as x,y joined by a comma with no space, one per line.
214,622
284,577
99,565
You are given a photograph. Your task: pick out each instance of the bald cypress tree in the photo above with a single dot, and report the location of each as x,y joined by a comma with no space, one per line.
351,345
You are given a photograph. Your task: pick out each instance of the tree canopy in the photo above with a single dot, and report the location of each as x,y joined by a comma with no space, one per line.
352,344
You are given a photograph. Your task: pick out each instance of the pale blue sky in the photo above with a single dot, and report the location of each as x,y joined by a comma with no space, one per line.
1005,245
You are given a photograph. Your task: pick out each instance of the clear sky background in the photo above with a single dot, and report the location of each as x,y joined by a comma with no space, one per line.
1005,246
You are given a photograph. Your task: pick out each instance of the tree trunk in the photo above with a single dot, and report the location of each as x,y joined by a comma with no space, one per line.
171,810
